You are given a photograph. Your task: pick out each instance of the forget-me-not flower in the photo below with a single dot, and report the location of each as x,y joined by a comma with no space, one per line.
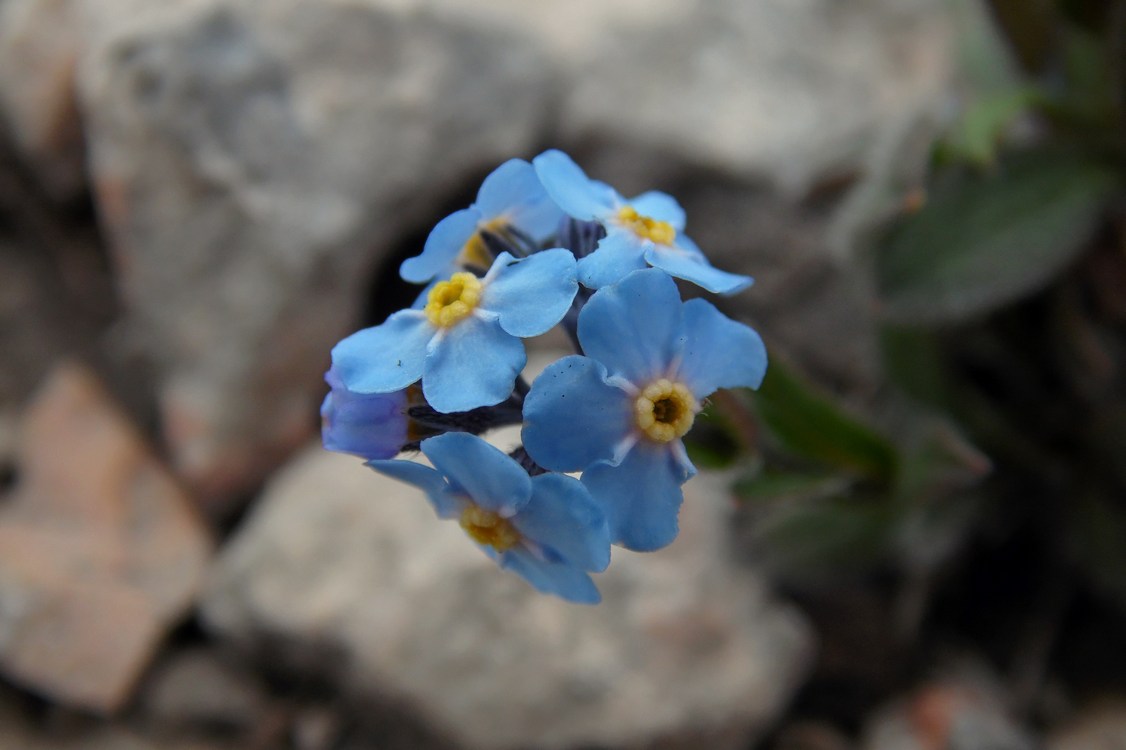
464,343
511,197
618,413
371,425
546,528
646,230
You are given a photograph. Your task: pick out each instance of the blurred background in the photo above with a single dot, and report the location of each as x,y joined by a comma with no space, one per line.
913,537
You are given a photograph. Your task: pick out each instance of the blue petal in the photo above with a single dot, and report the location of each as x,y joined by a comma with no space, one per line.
718,352
538,219
578,195
440,253
641,495
386,358
617,254
473,363
368,425
514,192
632,327
563,517
573,417
684,263
660,206
494,481
447,504
506,186
532,295
564,581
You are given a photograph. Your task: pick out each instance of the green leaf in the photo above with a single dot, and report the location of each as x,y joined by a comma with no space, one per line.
1088,66
813,427
774,486
914,359
978,134
982,242
822,538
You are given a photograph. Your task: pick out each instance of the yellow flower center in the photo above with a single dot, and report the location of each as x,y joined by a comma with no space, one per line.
475,252
489,529
660,232
665,410
453,300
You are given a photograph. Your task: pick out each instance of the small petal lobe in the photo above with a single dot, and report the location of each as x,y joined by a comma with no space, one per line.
386,357
475,363
493,480
573,417
718,352
633,326
532,295
579,196
642,496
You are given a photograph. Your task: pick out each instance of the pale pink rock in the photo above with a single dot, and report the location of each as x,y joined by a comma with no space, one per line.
100,550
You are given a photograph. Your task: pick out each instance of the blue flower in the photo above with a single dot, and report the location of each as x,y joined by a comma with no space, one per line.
510,197
546,528
368,425
646,230
618,413
465,342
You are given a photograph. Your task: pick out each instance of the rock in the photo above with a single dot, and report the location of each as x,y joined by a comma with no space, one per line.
807,303
811,735
788,93
100,551
39,42
19,732
1099,727
784,92
199,688
254,163
56,300
965,711
350,574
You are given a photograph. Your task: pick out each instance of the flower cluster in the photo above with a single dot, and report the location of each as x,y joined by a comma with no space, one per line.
544,246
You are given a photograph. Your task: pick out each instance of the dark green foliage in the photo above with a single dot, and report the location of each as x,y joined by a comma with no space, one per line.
813,427
1002,308
984,241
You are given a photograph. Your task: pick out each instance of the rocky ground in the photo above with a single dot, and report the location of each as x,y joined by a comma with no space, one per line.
197,199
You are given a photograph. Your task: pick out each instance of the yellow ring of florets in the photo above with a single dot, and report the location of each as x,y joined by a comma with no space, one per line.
451,301
489,529
664,410
660,232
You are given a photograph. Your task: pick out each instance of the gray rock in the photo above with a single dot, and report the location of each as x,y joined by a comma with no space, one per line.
21,729
349,573
197,687
809,304
39,43
966,710
1099,727
254,163
784,92
775,91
